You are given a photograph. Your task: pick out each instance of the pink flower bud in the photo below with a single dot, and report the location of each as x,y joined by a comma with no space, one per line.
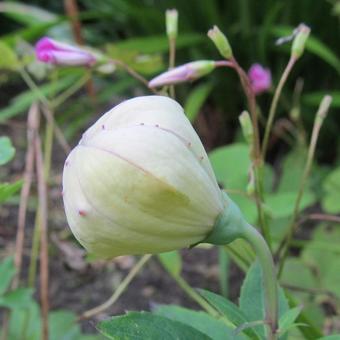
58,53
187,72
260,78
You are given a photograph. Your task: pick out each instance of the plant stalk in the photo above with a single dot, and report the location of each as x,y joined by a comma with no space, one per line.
250,234
274,103
319,118
256,150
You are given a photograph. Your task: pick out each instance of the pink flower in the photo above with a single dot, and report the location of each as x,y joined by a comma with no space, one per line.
51,51
260,78
187,72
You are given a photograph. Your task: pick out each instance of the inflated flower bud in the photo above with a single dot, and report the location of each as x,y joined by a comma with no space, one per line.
184,73
139,181
55,52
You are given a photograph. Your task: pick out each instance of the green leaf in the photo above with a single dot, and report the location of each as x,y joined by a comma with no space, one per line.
331,187
196,99
8,60
201,321
172,262
229,310
330,337
7,150
314,98
156,44
231,165
7,272
252,297
27,14
25,323
281,204
19,298
323,260
63,326
287,319
292,170
7,190
144,325
23,101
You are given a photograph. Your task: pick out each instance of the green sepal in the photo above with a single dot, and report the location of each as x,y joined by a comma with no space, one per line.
229,224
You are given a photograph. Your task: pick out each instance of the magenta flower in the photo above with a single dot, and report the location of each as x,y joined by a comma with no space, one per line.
187,72
260,78
54,52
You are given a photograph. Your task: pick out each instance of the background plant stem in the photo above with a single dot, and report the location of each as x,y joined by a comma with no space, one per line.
319,118
273,105
120,289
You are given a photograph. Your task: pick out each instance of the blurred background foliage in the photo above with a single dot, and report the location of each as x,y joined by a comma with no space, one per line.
133,31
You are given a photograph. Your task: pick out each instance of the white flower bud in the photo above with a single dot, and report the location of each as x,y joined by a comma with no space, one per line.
140,181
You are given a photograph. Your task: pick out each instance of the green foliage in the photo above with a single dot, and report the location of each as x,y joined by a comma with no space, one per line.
9,60
25,322
7,190
196,99
7,272
230,311
172,261
143,325
203,322
23,101
321,254
7,150
252,299
331,186
287,320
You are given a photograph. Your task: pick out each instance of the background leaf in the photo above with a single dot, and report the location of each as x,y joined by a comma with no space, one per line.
7,150
215,329
172,262
252,298
143,325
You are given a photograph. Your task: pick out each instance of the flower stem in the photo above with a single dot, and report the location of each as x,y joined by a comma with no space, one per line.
319,118
230,226
274,103
250,234
172,57
256,150
118,292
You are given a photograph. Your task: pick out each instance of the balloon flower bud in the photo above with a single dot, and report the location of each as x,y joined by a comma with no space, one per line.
187,72
54,52
140,181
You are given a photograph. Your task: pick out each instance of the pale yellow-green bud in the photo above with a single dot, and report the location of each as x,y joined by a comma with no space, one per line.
300,40
140,181
247,126
221,42
171,22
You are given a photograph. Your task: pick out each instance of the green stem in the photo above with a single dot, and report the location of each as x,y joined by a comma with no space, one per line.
34,252
120,289
319,118
201,301
172,56
256,150
274,103
231,225
224,265
264,255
